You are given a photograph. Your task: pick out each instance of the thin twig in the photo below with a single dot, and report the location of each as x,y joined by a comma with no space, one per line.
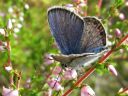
86,12
9,59
19,79
99,6
99,3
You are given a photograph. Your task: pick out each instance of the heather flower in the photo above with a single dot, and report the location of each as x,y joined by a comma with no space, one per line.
112,69
28,80
28,83
69,5
121,51
9,25
57,78
57,70
19,25
9,92
70,74
10,10
55,85
2,31
26,6
8,68
48,59
16,30
121,16
2,48
117,32
109,43
21,18
2,14
87,91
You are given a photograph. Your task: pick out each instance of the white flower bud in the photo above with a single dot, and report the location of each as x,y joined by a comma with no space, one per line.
9,25
2,31
26,6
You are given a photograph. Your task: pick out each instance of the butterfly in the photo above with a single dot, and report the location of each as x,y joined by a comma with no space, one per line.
81,40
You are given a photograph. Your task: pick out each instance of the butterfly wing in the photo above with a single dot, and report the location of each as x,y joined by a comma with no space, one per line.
67,29
94,36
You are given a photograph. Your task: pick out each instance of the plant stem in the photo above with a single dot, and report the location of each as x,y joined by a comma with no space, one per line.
99,6
92,69
85,13
9,59
9,51
99,3
18,81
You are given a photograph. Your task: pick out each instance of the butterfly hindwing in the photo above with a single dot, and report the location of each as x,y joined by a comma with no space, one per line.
67,29
94,36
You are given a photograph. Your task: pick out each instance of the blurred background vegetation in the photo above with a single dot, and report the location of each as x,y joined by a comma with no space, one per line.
32,40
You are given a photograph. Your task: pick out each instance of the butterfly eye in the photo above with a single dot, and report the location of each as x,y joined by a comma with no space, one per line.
64,65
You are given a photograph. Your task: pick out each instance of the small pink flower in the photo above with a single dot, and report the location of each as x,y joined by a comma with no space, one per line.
28,83
112,69
121,16
57,70
9,92
2,14
28,80
48,59
117,32
70,74
87,91
56,78
69,5
55,85
2,48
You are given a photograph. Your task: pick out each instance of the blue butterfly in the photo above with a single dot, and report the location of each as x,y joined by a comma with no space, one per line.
81,40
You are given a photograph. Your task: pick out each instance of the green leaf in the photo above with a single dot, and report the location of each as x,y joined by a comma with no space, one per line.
119,3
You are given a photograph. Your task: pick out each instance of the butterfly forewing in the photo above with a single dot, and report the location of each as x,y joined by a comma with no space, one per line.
67,29
94,36
81,40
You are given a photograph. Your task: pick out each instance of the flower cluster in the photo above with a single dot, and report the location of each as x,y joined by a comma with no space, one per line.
17,17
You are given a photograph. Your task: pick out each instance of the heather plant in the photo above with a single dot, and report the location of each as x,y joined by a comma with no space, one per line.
26,45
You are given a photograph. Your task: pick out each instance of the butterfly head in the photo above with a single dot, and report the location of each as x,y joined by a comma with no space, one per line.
63,59
64,65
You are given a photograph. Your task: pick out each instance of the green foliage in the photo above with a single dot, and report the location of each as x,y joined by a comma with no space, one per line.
34,40
118,2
